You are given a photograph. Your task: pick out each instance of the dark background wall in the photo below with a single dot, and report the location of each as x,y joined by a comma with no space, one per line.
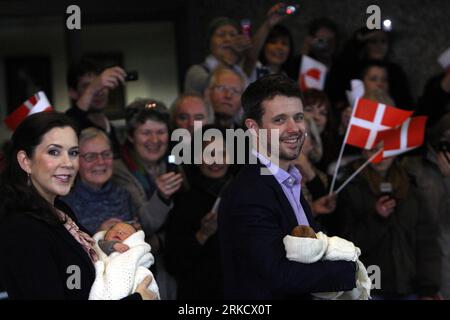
421,27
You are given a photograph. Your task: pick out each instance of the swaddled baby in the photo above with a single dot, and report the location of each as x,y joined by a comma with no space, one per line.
305,246
114,237
124,259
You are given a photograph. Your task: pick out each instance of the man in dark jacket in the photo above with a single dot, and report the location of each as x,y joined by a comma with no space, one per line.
264,203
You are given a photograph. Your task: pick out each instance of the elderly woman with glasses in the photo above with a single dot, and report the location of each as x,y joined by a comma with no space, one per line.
145,172
96,202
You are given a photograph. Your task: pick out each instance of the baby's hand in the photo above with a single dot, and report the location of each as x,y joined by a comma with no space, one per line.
120,247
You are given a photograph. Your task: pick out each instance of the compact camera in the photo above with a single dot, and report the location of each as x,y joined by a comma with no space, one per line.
288,9
386,189
131,76
246,27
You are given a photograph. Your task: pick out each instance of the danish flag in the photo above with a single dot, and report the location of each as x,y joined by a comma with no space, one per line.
408,136
35,104
369,119
312,74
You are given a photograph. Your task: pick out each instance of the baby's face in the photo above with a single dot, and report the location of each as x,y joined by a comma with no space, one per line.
120,231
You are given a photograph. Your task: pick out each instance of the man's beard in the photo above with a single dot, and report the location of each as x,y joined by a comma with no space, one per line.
290,156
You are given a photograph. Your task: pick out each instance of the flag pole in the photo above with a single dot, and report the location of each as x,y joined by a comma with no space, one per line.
338,164
358,171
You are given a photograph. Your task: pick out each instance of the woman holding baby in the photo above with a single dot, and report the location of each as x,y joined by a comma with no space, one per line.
45,254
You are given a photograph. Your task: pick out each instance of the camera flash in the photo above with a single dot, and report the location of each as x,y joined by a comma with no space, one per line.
387,25
171,158
290,10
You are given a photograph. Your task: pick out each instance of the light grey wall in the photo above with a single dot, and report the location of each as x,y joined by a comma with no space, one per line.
148,47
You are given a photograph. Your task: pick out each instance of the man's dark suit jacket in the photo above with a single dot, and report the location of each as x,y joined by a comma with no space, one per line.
254,217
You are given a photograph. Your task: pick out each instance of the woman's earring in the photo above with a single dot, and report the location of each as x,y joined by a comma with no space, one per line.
29,180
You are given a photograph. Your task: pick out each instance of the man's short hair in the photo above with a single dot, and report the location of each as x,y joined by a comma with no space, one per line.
181,98
372,63
223,70
79,69
264,89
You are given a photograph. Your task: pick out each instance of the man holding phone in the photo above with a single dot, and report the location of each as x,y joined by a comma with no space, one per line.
432,175
88,91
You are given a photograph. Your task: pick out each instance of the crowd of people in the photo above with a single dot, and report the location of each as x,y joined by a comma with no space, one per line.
216,227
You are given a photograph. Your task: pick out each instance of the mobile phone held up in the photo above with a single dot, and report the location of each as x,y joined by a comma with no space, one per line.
386,189
172,165
246,27
288,9
132,76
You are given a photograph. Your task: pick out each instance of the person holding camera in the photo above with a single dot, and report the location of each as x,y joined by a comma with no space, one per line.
383,212
148,176
88,90
193,253
432,174
272,46
320,44
226,46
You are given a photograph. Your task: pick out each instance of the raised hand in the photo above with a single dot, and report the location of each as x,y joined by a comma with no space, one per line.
385,206
169,183
208,227
143,290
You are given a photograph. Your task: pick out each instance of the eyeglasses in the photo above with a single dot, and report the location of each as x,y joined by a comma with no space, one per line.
222,88
93,156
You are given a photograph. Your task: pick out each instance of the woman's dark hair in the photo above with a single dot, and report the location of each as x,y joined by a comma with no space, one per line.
355,48
141,110
79,69
312,97
264,89
322,22
367,64
16,196
277,32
